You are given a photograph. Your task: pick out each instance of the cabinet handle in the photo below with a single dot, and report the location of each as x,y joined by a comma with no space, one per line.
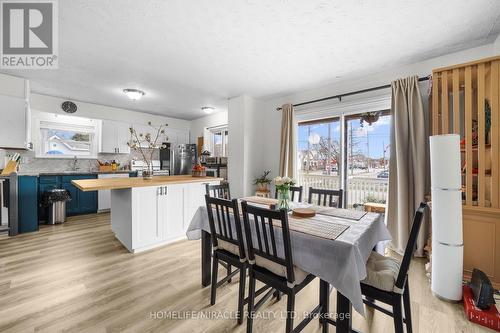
165,190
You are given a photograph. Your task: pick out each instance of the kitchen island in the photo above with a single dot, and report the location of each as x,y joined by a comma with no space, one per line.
149,213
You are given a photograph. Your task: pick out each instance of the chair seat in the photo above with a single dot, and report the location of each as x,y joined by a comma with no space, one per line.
229,247
280,270
381,272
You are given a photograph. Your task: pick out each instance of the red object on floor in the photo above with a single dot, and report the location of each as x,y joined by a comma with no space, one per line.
489,318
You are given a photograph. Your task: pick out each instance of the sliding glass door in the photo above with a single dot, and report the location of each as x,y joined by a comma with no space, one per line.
319,154
367,160
349,152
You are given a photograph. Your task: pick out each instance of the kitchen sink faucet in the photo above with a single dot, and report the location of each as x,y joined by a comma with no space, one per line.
75,164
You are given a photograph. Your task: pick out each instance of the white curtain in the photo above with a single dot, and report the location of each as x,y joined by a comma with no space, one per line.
408,163
288,149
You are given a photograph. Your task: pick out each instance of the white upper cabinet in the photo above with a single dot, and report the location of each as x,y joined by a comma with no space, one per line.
114,137
176,136
14,122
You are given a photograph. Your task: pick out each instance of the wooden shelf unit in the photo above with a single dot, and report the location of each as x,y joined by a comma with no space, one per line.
459,96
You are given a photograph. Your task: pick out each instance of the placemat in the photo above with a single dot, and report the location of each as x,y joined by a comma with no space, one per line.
323,229
341,213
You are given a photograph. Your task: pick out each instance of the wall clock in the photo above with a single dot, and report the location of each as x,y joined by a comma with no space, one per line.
69,107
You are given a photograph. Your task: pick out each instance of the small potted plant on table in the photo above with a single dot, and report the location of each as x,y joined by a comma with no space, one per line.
262,182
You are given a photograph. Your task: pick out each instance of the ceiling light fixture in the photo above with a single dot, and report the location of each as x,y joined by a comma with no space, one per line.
134,94
208,109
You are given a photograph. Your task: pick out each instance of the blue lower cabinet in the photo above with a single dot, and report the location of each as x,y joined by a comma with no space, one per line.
72,206
81,202
28,203
44,187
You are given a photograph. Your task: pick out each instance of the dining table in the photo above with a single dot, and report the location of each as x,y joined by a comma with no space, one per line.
336,254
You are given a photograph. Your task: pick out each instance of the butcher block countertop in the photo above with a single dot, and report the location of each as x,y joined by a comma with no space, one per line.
123,183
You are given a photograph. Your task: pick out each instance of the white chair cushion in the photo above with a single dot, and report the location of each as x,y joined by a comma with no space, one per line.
381,272
280,270
229,247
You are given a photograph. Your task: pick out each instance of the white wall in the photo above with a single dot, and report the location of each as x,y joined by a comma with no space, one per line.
269,138
44,103
243,154
198,125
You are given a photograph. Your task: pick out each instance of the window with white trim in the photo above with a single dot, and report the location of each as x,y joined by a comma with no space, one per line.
219,142
67,137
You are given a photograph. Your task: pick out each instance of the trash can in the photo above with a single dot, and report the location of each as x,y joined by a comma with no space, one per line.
55,202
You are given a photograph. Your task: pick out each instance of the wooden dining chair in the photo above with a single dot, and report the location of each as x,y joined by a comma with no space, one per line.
220,191
228,246
326,197
387,279
296,191
270,264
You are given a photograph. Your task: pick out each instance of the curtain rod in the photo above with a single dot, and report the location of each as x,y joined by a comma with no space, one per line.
425,78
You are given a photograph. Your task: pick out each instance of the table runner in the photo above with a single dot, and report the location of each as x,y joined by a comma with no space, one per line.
340,262
317,227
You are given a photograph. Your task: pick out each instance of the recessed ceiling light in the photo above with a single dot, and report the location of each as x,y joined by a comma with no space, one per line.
134,94
208,109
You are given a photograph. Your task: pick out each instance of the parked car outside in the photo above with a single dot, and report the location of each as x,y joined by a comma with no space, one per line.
383,174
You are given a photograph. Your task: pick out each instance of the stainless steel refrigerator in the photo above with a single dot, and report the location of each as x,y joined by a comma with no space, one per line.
183,159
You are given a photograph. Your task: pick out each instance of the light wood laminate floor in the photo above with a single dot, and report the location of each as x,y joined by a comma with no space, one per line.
77,277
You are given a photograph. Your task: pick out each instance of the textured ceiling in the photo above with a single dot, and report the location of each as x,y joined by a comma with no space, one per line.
187,54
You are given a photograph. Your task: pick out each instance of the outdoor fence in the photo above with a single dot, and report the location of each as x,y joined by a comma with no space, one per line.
359,189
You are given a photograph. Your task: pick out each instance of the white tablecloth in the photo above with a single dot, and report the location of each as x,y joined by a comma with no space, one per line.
341,262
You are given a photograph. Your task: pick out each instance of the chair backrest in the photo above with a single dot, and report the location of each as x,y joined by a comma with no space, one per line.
410,246
295,191
264,225
220,213
325,197
218,191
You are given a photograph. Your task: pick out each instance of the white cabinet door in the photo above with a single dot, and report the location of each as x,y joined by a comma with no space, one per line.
183,137
143,129
175,209
122,131
114,137
150,216
171,136
13,122
108,137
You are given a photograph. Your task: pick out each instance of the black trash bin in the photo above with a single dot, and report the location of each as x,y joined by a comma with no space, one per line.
55,203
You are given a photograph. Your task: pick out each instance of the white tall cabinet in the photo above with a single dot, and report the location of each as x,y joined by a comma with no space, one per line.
146,217
15,115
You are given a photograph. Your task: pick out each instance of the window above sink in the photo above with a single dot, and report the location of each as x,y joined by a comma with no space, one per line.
60,136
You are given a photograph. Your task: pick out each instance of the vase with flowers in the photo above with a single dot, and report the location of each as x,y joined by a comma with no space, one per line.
146,144
283,188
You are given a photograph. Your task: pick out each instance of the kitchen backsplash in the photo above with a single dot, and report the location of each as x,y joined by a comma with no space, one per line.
30,164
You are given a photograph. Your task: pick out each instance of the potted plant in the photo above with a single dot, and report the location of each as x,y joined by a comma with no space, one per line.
262,182
369,118
145,144
283,188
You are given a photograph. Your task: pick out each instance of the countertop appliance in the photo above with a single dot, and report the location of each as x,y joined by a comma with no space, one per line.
184,157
